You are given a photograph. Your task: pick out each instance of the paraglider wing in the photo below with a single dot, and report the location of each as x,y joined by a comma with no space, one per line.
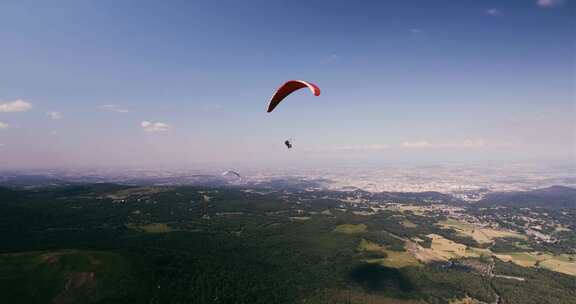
230,172
287,89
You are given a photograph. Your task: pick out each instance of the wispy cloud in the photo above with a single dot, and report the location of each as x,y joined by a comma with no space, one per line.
17,105
415,31
549,3
352,148
367,147
149,126
4,125
466,144
419,144
113,108
493,12
212,107
329,59
416,144
54,115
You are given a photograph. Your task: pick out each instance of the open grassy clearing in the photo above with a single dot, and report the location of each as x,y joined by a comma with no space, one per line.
151,228
300,218
481,235
478,252
523,259
442,249
350,228
408,224
424,255
520,245
393,259
466,300
562,228
559,263
126,193
446,248
363,213
409,208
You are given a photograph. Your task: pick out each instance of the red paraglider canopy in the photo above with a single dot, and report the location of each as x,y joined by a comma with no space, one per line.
287,89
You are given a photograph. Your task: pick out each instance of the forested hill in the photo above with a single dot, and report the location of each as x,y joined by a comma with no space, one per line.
554,197
8,195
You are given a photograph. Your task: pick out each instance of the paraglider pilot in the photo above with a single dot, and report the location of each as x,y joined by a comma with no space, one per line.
288,144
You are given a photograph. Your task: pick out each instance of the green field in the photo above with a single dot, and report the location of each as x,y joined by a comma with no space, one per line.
350,228
151,228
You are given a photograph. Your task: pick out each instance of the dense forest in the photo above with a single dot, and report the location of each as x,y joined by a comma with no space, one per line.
106,243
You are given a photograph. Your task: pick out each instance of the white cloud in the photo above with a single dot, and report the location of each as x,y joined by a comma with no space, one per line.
17,105
4,125
54,115
466,144
149,126
494,12
113,108
549,3
415,31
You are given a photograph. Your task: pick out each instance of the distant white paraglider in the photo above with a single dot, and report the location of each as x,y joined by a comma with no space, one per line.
231,173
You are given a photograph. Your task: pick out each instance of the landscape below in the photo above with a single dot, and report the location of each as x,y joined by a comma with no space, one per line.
109,243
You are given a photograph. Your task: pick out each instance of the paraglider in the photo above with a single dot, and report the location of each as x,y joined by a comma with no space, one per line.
231,173
287,88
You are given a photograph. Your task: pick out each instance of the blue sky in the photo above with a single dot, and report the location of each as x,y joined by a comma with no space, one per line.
186,83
